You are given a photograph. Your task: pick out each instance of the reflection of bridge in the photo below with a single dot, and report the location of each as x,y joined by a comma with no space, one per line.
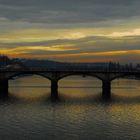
55,75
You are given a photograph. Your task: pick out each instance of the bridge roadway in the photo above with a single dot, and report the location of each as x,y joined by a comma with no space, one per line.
54,75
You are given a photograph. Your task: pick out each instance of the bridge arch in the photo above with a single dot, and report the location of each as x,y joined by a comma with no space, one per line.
124,75
79,74
82,85
127,85
28,73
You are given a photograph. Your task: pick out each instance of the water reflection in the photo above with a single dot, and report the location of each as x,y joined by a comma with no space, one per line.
74,88
79,114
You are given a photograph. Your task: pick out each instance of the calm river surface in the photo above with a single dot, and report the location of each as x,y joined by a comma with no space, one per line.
80,114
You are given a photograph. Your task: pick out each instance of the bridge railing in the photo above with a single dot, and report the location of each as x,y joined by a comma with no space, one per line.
66,70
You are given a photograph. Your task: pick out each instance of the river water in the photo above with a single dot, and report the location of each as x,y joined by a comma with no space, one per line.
80,114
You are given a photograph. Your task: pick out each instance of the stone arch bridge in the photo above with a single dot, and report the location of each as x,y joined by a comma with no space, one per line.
55,75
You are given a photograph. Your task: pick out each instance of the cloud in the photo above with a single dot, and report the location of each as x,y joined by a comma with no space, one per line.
68,11
84,48
83,30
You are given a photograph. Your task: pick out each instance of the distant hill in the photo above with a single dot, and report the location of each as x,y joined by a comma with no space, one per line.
39,63
53,64
36,63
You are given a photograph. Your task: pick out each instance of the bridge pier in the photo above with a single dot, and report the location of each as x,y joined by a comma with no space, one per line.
3,88
106,89
54,89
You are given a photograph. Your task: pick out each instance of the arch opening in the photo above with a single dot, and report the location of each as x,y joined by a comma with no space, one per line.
126,87
24,74
80,86
29,86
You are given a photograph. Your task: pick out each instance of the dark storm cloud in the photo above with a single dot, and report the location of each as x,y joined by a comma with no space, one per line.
68,11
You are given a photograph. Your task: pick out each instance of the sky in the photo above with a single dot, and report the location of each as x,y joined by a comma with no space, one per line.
71,30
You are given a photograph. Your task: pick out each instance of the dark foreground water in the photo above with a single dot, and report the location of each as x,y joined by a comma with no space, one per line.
80,114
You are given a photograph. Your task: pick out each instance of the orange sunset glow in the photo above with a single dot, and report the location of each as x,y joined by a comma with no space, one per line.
53,35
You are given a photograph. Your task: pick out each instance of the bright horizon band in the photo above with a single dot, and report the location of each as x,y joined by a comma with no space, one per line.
92,31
